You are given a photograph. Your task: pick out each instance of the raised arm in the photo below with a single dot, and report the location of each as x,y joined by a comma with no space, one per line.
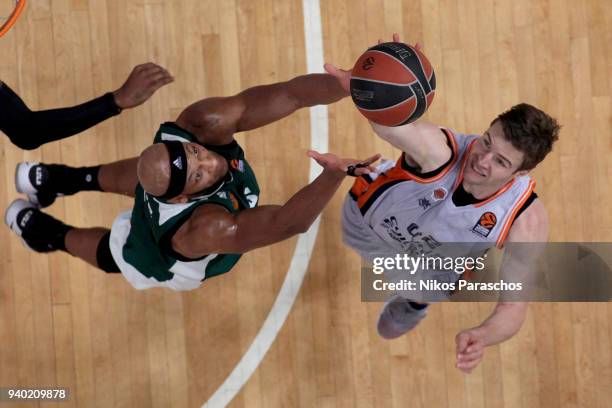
29,129
215,120
424,143
518,262
212,229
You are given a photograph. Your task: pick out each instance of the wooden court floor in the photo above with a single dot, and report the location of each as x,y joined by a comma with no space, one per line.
64,324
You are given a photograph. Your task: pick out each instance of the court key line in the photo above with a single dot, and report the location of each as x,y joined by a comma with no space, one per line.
303,250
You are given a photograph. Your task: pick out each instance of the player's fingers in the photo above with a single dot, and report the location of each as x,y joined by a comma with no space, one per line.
360,171
396,37
161,82
418,46
331,69
157,75
380,41
152,70
146,66
461,340
468,366
313,154
467,357
371,159
474,345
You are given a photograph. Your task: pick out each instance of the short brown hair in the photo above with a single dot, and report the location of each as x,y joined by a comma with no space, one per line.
531,131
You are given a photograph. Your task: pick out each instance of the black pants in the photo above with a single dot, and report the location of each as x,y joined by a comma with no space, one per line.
29,130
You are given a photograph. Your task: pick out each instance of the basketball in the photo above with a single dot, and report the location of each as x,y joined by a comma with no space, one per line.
393,84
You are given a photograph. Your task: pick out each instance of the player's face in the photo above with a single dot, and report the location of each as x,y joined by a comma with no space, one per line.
493,160
204,168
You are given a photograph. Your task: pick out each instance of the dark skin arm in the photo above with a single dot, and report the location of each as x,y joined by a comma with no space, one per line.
215,120
212,229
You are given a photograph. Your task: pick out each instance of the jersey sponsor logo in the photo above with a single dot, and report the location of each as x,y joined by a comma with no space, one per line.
439,194
485,224
424,203
415,242
178,163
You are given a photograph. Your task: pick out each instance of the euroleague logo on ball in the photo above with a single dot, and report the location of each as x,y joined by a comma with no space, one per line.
392,84
368,63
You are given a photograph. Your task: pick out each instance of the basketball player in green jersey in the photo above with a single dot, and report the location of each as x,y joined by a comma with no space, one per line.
196,209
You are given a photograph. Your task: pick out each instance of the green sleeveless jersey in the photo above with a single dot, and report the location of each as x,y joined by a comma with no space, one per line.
153,222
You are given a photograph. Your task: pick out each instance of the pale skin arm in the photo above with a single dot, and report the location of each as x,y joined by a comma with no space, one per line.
424,144
507,317
212,229
215,120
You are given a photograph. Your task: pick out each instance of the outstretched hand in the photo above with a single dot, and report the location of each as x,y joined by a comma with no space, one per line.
470,350
330,161
344,75
142,82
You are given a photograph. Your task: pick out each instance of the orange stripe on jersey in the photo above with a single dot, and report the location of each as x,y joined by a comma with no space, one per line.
414,177
517,207
365,192
494,196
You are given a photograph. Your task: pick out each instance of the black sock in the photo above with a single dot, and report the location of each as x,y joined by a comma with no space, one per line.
44,232
418,306
70,180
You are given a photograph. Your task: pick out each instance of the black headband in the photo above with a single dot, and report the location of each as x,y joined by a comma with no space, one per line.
178,169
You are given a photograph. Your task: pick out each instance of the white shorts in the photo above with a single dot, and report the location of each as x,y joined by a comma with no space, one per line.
119,234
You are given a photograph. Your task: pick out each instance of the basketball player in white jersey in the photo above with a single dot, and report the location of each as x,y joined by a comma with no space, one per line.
450,187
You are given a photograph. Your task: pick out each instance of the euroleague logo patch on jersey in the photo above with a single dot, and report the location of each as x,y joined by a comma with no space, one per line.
439,194
485,224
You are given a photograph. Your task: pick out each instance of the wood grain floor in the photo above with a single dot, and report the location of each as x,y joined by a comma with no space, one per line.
63,323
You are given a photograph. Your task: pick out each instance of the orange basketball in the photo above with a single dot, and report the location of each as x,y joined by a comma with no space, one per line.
393,84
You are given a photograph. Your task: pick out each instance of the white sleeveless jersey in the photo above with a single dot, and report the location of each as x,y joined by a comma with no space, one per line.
399,212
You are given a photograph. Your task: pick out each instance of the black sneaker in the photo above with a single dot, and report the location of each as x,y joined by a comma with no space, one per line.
33,180
39,231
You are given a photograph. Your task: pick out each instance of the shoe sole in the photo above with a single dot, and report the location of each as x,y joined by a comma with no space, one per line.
10,217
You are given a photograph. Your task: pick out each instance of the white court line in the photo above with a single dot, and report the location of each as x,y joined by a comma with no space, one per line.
303,250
